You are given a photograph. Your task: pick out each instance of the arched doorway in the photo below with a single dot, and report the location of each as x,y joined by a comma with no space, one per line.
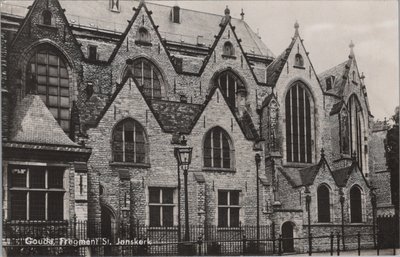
287,235
107,228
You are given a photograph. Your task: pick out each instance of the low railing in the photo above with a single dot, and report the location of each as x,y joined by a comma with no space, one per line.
81,238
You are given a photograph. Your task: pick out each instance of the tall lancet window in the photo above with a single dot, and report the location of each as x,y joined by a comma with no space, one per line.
356,128
298,124
344,132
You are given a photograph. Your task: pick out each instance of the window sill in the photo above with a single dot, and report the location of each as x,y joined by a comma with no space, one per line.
130,164
143,43
297,164
229,228
229,56
163,229
218,169
50,27
299,67
37,189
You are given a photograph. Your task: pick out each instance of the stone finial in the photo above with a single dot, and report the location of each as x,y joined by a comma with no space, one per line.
351,45
354,156
296,27
242,14
322,153
227,11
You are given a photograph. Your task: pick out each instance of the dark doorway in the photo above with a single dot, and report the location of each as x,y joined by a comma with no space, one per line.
287,235
388,233
106,228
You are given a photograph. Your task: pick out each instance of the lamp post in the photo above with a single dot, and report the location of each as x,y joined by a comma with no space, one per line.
184,157
373,202
179,196
341,199
258,161
308,202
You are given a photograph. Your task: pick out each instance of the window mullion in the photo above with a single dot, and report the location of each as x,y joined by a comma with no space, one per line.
221,150
298,124
291,123
229,209
235,92
212,147
123,142
27,193
161,207
142,74
305,126
134,142
227,86
152,82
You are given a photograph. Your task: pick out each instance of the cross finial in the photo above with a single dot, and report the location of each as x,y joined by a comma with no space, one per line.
351,45
227,11
242,14
296,27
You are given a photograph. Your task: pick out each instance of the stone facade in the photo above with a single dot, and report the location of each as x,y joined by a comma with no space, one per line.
104,96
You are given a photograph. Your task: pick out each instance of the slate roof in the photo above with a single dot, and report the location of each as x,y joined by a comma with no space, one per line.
342,175
302,177
275,68
96,15
336,108
340,72
33,123
175,116
248,127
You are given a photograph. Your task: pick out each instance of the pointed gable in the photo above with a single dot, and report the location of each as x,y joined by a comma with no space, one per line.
275,68
34,123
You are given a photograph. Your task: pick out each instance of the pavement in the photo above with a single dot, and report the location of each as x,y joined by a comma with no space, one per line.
382,252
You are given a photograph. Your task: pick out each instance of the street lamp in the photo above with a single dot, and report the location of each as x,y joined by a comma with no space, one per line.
258,161
308,202
341,199
184,157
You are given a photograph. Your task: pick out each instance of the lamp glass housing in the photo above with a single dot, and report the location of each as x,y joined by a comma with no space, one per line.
184,157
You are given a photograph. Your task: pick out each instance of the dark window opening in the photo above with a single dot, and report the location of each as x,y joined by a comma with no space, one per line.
228,50
299,61
217,149
355,205
143,35
324,208
161,207
46,15
298,124
92,53
176,14
228,208
129,142
36,193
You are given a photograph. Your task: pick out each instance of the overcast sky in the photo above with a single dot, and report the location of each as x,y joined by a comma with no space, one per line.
327,28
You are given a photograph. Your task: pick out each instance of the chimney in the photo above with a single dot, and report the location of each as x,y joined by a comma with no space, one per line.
175,14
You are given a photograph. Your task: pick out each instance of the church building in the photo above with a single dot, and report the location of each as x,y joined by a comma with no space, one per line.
96,96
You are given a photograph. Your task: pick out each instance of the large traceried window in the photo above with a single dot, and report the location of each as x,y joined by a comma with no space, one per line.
356,127
129,142
230,84
36,193
355,205
48,75
228,208
148,76
323,201
298,124
218,152
161,207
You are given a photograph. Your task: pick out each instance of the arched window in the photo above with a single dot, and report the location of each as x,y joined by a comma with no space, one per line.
129,142
344,132
47,74
299,60
298,124
218,152
46,17
228,50
230,84
356,128
143,35
355,205
147,75
324,209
